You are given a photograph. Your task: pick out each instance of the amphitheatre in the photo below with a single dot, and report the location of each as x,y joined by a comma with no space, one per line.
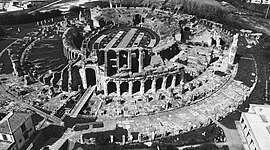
150,71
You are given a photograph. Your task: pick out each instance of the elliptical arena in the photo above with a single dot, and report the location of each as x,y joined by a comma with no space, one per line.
149,71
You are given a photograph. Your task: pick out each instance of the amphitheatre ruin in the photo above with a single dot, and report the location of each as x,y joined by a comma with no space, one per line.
150,71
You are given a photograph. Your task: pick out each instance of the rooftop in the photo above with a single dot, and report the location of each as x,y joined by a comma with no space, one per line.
12,121
258,118
5,145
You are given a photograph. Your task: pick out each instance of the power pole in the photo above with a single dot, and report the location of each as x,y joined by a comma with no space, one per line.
267,11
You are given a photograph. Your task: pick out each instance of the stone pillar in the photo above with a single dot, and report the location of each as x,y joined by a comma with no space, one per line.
210,41
111,138
173,81
123,139
83,76
139,137
81,139
105,63
163,86
69,78
129,61
118,60
51,81
105,88
70,56
61,78
153,87
182,75
140,60
153,136
142,87
218,41
130,87
118,89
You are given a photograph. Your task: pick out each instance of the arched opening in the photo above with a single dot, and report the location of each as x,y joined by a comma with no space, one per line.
111,87
90,77
57,77
137,19
65,80
178,79
169,81
136,86
147,85
135,61
123,55
159,83
213,41
101,57
123,87
112,64
146,58
76,78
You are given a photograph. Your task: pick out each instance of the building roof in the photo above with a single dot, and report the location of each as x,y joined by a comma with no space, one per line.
12,121
258,118
5,145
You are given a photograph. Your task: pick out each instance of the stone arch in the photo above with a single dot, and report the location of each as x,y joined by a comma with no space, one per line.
146,58
90,76
101,57
136,86
178,79
159,83
111,60
64,76
147,85
75,78
135,61
169,81
111,87
123,58
123,87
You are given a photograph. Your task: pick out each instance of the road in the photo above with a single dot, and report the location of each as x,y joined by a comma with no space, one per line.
233,139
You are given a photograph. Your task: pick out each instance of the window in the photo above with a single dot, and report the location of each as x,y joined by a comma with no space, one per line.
23,127
5,137
242,120
263,118
25,135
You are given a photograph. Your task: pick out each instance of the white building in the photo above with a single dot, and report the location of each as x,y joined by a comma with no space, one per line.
255,127
15,130
259,1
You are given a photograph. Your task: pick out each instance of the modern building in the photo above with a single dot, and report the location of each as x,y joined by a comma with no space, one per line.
15,130
255,127
259,1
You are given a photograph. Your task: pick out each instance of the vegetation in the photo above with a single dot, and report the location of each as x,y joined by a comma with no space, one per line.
22,18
